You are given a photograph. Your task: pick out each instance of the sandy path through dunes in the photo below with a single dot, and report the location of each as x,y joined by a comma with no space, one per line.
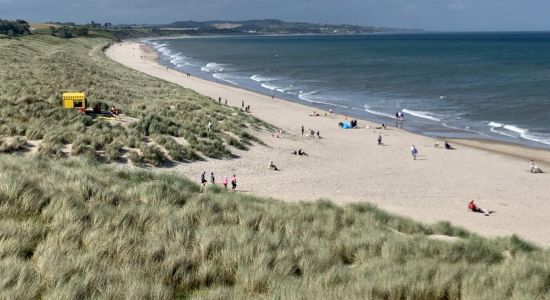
348,165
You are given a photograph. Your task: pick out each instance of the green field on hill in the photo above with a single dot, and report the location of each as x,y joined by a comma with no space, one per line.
73,226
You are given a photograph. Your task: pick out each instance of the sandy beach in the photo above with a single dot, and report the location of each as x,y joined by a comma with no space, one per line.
349,166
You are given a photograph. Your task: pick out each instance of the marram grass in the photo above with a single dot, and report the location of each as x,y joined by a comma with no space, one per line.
72,229
36,70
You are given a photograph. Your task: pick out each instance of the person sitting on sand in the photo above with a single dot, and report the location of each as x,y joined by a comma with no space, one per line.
300,152
473,207
534,168
294,152
448,146
272,166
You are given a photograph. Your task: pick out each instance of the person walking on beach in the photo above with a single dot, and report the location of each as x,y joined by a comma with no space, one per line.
302,129
234,182
203,179
225,181
379,140
212,178
414,152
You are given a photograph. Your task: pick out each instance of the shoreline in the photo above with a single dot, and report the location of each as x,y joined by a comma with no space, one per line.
538,153
347,165
416,121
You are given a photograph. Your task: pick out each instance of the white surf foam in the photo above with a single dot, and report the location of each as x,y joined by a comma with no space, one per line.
270,86
515,129
285,89
537,137
374,112
260,78
212,67
179,60
421,114
515,132
224,77
309,97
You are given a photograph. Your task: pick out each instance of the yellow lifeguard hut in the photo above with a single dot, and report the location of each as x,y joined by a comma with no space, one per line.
74,100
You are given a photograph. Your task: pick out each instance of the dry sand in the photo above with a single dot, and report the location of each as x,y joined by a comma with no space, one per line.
348,165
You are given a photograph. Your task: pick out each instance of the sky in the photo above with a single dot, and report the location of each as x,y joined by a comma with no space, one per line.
436,15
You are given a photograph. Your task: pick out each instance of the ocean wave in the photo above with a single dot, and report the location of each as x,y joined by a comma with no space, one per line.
270,86
374,112
179,60
467,128
212,67
286,89
537,137
223,77
515,132
260,78
309,97
421,114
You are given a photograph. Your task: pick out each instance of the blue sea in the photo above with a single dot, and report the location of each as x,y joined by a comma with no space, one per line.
468,85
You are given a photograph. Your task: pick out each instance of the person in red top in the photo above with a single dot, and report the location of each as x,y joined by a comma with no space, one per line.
473,207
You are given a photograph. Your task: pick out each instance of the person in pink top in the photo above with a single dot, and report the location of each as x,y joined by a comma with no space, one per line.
225,181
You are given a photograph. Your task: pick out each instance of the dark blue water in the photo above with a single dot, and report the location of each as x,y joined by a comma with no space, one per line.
484,85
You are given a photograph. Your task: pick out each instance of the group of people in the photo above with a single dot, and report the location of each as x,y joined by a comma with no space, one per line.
115,111
299,152
244,108
225,180
312,132
348,125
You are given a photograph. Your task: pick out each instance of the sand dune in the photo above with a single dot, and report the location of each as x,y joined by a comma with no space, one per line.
348,165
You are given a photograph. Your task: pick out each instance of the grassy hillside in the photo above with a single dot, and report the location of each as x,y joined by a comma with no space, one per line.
170,122
72,230
81,229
